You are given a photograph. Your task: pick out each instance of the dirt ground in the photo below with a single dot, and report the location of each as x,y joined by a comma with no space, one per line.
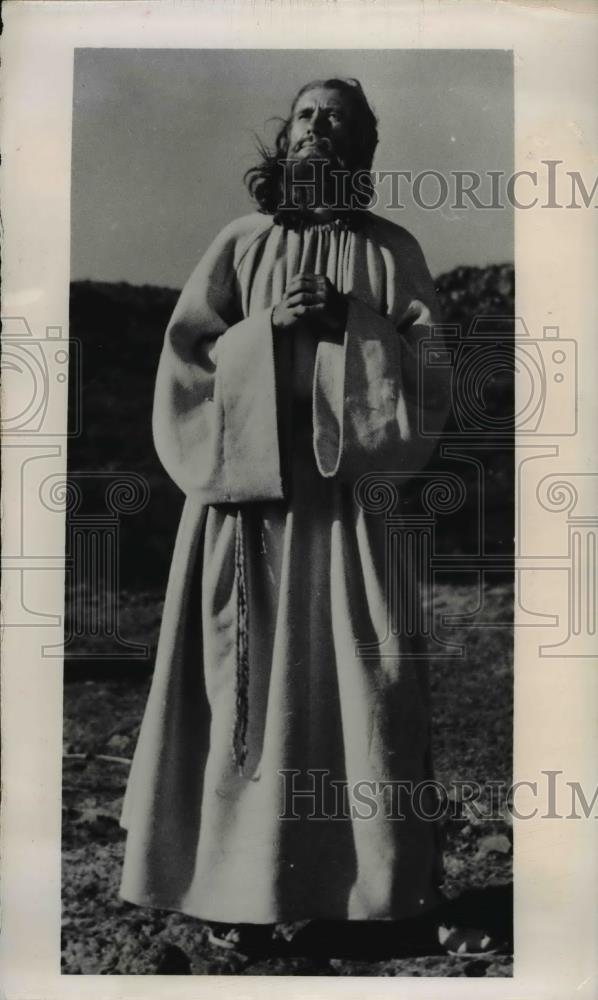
472,698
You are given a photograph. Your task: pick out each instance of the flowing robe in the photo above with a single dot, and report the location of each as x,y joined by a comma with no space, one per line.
235,844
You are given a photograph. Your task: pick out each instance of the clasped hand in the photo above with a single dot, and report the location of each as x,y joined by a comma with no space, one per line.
311,299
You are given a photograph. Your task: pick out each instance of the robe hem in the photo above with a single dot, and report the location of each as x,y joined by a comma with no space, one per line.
280,917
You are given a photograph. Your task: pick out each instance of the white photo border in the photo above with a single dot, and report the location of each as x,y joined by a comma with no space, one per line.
556,861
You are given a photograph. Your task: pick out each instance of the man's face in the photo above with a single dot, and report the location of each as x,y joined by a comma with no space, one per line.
320,126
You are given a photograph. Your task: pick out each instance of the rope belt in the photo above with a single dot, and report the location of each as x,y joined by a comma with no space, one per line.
242,647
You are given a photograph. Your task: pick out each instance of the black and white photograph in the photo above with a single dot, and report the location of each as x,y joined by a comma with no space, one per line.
299,499
312,448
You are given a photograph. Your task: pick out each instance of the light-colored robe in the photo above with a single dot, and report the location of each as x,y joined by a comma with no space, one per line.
204,837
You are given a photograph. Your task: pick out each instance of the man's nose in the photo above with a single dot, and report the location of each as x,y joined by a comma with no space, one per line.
319,121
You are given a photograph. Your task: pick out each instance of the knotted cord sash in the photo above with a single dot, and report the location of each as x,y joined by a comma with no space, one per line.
242,647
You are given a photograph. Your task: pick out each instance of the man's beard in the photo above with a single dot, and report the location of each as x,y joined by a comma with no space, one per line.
317,180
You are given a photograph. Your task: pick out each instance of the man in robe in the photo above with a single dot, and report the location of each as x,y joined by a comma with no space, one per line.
289,371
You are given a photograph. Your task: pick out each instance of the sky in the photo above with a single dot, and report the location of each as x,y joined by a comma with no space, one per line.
162,138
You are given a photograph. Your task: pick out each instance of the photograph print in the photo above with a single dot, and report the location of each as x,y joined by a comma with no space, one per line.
289,534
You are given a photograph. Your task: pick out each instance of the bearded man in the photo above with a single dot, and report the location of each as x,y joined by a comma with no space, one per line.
289,370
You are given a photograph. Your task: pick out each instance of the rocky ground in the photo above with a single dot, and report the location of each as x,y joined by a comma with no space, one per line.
473,738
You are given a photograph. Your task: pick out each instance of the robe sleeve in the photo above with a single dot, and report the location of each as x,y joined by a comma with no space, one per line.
215,406
377,405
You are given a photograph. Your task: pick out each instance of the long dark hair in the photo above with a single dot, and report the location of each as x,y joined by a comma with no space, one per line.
264,181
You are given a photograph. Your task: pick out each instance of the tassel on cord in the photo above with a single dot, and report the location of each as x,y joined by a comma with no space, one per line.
242,678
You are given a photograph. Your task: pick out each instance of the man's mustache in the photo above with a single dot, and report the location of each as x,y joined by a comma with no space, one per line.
320,143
